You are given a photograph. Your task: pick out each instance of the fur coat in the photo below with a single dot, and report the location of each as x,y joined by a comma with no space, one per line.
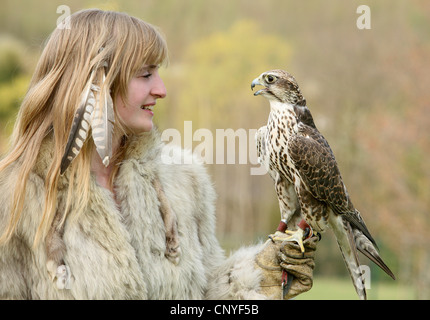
118,251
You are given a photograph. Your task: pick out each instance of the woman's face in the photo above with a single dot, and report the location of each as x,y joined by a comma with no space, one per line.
143,91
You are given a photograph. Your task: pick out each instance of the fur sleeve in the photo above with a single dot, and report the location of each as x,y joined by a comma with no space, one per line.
236,278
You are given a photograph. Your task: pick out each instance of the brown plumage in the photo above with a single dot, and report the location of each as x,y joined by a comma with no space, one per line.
307,179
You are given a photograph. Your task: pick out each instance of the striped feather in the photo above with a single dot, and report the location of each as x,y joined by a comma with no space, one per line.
80,127
366,247
102,121
94,112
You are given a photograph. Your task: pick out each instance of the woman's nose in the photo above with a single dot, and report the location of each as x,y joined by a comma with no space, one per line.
159,90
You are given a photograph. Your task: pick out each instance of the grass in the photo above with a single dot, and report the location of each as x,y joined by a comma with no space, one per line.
342,289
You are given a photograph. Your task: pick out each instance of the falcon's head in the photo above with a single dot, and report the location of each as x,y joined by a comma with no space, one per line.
279,86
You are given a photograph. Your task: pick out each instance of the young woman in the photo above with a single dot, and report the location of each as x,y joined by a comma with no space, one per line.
88,209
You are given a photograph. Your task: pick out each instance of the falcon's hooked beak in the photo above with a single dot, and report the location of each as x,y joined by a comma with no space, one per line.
258,82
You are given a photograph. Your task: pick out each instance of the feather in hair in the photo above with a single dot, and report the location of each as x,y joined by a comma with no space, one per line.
102,121
80,127
94,112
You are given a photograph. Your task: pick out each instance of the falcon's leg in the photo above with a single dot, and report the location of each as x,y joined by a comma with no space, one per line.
313,211
288,203
290,213
288,206
303,232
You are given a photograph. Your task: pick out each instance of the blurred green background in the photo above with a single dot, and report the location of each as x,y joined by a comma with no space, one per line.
367,89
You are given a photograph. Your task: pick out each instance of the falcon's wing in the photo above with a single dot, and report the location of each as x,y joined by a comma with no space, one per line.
316,164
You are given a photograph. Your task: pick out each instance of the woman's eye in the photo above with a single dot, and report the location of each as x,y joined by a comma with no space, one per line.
147,75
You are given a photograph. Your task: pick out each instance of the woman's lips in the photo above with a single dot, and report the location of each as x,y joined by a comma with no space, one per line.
148,107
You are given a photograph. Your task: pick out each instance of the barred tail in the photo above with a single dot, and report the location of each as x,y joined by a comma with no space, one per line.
345,239
366,247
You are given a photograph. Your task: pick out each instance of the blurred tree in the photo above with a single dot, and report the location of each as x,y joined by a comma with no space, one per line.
12,56
220,68
11,94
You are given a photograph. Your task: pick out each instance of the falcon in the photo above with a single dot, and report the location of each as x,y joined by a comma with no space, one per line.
312,196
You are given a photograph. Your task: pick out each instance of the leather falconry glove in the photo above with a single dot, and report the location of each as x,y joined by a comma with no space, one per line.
287,272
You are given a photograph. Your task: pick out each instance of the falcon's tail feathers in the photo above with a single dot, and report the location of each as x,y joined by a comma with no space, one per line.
368,249
345,239
356,221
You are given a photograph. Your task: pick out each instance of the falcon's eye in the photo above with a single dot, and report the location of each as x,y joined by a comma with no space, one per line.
270,78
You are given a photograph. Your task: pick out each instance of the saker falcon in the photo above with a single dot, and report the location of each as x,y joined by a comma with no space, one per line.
307,179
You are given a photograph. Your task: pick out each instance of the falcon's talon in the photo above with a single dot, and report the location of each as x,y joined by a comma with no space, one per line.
277,236
307,233
296,236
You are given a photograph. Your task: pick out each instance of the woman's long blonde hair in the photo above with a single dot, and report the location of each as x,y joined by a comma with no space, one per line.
54,95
